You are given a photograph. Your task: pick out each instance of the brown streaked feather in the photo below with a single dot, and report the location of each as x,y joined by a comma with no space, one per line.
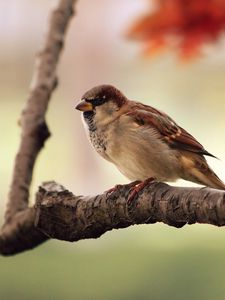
172,134
199,171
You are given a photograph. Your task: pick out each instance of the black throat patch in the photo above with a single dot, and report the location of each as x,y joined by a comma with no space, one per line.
89,119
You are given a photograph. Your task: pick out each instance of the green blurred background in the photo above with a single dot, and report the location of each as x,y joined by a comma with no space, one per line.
141,262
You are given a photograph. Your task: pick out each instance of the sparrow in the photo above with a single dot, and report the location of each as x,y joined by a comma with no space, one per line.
142,141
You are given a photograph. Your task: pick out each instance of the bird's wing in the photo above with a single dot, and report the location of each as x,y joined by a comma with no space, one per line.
170,132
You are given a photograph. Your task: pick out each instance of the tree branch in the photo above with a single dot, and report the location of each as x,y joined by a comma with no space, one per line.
61,215
32,120
34,128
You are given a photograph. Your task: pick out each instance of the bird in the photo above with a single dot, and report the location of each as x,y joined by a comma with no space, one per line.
141,141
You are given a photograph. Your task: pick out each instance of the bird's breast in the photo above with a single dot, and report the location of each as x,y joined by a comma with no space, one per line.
99,141
140,153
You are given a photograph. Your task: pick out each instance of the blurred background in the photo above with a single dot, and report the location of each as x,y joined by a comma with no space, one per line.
141,262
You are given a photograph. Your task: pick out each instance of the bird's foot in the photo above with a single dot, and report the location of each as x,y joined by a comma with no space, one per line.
137,188
119,186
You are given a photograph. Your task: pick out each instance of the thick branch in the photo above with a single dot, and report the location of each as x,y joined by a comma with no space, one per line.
21,234
61,215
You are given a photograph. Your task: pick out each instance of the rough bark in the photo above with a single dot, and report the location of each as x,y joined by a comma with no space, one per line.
34,128
61,215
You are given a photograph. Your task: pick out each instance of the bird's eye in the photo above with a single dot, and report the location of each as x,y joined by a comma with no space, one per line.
98,101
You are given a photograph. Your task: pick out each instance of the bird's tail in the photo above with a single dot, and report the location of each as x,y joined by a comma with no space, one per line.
201,173
210,179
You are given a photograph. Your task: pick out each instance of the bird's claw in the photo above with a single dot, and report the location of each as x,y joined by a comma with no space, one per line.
137,188
118,186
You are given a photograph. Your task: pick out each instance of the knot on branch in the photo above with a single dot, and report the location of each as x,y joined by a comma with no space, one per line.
55,210
41,132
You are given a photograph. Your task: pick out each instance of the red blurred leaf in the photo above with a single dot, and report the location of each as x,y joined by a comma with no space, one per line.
185,25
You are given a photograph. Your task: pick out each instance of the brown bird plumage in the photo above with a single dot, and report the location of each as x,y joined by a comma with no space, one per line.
142,141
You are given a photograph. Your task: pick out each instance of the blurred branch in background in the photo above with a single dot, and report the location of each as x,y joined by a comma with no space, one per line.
18,231
184,25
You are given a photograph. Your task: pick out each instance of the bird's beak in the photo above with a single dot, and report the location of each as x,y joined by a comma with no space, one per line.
84,106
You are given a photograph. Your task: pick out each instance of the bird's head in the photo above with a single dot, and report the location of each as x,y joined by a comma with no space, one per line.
101,103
